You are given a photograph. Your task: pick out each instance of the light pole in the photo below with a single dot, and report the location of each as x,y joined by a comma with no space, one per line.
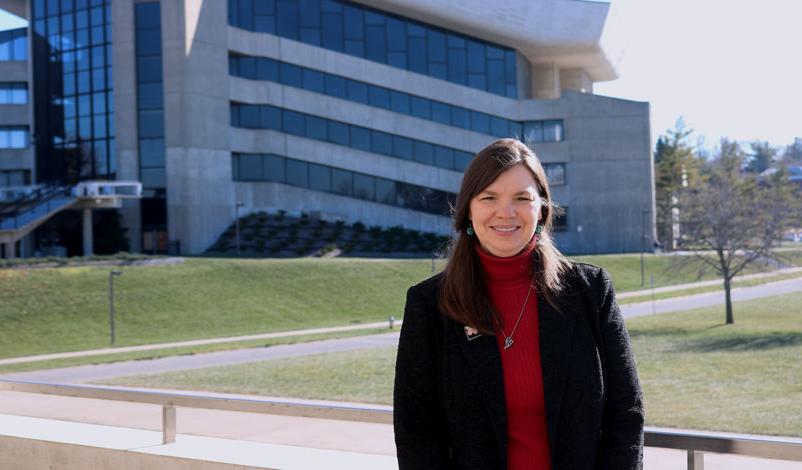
643,213
236,222
111,301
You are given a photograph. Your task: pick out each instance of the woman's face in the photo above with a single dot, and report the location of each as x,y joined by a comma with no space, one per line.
505,214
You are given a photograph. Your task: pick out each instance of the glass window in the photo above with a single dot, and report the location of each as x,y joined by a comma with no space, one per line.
250,167
149,69
313,80
150,95
460,117
476,58
403,147
360,138
320,177
100,130
421,107
552,131
292,122
249,116
335,86
267,69
151,153
441,113
274,168
341,181
287,18
462,160
264,23
424,153
290,75
338,133
316,128
495,76
375,47
457,67
385,191
332,31
153,177
499,127
269,118
363,187
533,131
437,46
310,13
382,142
148,42
378,96
443,157
297,173
148,16
354,23
247,67
516,129
417,56
480,122
561,220
357,91
399,102
151,124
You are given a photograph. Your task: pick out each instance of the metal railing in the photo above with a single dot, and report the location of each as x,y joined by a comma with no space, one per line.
34,204
695,443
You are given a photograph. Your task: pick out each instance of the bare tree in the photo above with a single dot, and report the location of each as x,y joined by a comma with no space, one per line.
733,218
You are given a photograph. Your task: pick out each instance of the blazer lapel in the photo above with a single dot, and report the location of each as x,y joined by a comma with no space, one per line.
488,378
556,336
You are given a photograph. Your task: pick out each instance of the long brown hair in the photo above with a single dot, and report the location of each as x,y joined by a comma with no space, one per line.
464,296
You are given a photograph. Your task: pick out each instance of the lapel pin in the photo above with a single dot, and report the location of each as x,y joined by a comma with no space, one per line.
471,333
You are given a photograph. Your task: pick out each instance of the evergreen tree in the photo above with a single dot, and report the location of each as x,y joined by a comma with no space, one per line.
676,169
762,157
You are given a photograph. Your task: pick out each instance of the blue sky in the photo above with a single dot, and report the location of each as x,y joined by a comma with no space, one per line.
728,68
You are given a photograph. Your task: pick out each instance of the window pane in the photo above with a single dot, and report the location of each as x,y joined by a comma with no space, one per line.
363,187
441,113
313,80
149,69
382,142
460,117
338,133
267,69
424,153
375,48
341,182
335,86
150,95
421,107
402,147
360,138
151,124
250,167
292,122
379,97
533,131
316,128
480,122
151,152
357,91
399,102
555,172
319,177
290,75
287,18
552,131
297,173
274,168
443,157
332,31
462,159
269,117
249,116
499,127
385,191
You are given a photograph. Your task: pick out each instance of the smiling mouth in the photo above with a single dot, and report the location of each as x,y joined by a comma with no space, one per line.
505,228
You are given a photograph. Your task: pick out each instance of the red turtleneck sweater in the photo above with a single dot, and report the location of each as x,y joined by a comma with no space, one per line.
508,281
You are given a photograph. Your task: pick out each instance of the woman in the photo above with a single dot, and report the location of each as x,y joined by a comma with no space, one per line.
514,357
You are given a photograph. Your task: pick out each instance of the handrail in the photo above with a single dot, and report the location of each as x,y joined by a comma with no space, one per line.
694,442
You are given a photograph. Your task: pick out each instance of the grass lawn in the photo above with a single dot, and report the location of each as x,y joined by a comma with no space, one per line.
696,372
48,310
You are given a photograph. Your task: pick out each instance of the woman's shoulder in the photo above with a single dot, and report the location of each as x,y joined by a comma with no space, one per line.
586,276
428,288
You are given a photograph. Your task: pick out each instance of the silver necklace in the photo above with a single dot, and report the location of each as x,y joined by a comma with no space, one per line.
508,339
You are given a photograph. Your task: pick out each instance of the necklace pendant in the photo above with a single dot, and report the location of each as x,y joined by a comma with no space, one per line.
507,342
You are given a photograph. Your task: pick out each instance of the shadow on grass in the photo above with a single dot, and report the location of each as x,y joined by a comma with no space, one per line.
656,332
755,342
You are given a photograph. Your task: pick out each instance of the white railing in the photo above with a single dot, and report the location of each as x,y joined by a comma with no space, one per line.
108,189
695,443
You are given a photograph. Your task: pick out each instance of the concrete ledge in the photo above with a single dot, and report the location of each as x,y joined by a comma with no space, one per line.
34,443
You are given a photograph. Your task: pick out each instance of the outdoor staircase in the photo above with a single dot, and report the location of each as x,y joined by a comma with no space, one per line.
24,208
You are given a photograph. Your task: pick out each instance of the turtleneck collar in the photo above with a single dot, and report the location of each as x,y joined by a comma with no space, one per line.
511,271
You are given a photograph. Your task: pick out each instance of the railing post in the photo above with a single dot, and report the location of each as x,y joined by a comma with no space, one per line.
696,460
168,424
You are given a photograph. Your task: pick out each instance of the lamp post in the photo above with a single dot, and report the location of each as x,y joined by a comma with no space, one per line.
644,213
236,223
111,301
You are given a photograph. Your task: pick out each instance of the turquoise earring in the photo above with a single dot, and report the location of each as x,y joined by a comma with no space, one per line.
538,229
469,230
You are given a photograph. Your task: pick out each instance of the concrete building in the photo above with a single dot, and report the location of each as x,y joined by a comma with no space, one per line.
365,111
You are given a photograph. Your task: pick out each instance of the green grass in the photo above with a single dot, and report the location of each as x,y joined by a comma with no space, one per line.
696,372
47,310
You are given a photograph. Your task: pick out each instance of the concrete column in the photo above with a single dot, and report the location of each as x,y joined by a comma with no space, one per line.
88,242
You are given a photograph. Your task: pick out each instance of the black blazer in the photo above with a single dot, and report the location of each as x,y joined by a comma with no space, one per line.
449,408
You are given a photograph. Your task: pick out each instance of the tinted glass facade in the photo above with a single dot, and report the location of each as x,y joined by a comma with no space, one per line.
379,36
14,44
74,109
264,68
250,167
13,137
13,93
150,126
253,116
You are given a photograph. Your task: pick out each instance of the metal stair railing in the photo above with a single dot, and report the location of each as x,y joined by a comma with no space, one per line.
33,206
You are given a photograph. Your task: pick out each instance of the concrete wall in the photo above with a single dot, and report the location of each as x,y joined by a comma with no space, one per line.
17,115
